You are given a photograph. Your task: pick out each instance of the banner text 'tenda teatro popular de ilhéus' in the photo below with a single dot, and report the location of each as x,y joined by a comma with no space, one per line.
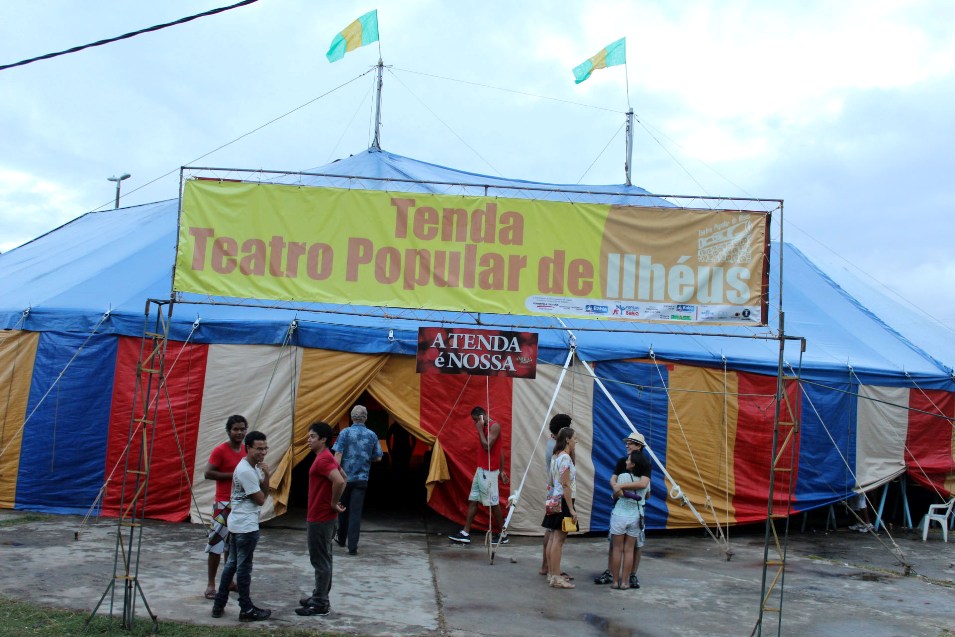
481,254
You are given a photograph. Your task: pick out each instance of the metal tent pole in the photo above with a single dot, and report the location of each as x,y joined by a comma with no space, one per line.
376,142
628,160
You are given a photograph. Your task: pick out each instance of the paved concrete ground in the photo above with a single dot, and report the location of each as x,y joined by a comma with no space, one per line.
409,580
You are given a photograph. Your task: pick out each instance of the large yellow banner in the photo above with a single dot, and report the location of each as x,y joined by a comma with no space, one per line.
479,254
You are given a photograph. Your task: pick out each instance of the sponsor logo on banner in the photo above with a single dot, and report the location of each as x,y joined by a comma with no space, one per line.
632,311
449,350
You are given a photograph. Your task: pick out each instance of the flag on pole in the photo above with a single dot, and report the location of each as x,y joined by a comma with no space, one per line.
362,31
610,55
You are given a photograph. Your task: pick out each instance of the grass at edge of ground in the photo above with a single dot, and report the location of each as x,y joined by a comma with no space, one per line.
22,618
25,518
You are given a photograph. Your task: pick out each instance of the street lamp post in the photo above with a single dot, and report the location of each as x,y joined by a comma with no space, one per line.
118,181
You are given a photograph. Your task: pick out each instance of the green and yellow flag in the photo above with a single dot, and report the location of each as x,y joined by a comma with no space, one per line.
610,55
362,31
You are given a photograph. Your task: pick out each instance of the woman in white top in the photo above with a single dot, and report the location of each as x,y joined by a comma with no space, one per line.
563,482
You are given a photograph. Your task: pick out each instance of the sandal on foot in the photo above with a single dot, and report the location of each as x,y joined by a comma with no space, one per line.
567,576
559,582
210,593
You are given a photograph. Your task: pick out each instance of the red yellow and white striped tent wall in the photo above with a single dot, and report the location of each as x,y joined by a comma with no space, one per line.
68,404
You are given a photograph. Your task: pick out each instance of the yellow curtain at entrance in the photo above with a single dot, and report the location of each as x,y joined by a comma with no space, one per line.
330,383
17,352
398,390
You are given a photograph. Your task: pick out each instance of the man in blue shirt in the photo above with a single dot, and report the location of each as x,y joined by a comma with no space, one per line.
356,448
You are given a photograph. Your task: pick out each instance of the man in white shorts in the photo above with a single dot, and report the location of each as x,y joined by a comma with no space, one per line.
490,462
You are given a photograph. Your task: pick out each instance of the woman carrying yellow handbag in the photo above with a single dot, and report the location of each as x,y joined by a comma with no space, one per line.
563,482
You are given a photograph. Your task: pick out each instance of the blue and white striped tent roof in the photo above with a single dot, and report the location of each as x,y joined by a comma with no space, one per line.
111,262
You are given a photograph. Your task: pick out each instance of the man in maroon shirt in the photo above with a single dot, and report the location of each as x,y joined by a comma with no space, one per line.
326,483
222,462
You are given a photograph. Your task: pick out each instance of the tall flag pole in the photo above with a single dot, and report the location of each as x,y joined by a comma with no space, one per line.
613,54
628,160
376,141
359,33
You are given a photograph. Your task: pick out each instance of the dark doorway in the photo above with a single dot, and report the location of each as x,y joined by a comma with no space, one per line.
396,484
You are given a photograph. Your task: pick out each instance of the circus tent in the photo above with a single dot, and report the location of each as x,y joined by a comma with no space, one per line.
871,404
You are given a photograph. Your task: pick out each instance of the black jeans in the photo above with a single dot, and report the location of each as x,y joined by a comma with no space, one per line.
320,536
349,522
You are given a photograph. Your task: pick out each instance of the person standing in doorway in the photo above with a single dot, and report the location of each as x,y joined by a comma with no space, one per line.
222,462
484,490
401,446
326,484
250,487
356,448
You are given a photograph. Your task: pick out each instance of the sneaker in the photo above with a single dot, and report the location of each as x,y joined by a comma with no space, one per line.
865,528
499,538
604,578
355,552
308,611
856,527
461,537
634,582
307,601
217,612
255,615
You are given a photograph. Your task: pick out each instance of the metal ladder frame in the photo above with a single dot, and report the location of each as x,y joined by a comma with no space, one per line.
150,378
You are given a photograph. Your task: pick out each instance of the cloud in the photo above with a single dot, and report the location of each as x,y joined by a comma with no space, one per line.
30,206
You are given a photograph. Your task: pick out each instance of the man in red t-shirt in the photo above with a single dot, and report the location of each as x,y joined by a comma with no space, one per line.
326,483
490,468
222,462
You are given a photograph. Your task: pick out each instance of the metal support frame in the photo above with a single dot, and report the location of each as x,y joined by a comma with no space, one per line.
742,203
785,434
150,379
783,461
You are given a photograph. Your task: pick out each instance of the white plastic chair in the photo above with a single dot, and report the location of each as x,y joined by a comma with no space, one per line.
938,513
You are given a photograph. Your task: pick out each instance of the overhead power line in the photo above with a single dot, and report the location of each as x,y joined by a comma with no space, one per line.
125,36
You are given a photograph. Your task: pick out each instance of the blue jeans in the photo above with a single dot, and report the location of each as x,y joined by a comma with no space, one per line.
239,565
320,536
349,523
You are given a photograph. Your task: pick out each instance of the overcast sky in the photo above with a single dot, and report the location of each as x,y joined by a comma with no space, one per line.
842,109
